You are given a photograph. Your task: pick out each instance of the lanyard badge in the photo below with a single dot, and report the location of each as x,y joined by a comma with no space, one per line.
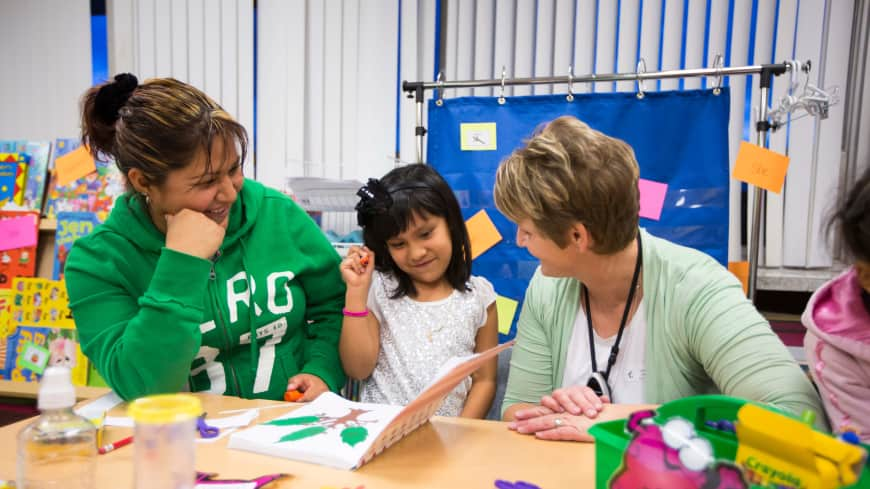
598,380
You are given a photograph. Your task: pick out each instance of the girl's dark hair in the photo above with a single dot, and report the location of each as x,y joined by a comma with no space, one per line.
157,126
852,219
387,207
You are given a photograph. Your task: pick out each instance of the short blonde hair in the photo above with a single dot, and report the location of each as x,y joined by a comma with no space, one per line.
567,173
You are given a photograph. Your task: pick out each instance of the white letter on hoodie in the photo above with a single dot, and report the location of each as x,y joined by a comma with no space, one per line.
233,297
272,287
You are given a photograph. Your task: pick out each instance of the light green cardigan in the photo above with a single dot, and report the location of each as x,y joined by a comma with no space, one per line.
703,336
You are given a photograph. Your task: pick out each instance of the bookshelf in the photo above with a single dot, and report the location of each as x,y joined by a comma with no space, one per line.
45,248
47,225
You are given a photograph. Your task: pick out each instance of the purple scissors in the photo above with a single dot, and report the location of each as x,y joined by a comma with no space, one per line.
503,484
205,430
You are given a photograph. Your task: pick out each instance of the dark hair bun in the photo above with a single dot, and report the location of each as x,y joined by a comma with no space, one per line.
112,96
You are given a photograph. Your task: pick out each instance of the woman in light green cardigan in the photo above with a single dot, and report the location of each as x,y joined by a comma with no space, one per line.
666,321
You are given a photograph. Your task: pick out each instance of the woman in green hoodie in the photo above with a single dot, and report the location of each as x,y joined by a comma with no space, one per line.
199,279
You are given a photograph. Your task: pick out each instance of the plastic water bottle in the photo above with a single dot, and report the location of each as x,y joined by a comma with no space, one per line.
59,449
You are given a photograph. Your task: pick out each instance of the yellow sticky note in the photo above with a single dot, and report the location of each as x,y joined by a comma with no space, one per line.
760,167
506,308
482,233
74,165
477,136
741,270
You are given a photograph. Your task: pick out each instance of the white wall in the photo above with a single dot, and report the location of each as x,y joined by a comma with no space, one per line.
46,53
327,88
207,43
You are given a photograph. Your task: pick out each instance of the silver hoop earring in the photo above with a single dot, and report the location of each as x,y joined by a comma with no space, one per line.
146,198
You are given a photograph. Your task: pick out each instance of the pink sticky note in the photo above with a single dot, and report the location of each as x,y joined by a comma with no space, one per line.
18,232
652,198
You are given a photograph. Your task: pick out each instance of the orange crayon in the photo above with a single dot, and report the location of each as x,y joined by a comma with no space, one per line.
293,396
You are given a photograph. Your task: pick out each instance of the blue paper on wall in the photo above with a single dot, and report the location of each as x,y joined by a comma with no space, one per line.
680,139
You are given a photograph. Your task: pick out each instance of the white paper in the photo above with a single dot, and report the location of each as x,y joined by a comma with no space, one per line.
100,405
120,421
238,421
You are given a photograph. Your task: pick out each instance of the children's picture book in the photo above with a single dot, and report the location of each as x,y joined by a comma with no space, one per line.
95,192
13,177
43,332
344,434
18,261
38,153
70,227
5,326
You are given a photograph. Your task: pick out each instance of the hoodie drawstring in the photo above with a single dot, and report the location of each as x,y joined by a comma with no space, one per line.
255,351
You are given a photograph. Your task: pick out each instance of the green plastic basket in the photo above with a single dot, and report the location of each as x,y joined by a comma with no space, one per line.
612,439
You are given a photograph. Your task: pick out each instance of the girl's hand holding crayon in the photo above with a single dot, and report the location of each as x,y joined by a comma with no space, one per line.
357,268
310,387
293,396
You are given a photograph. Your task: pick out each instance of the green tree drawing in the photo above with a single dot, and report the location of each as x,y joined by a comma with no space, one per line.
354,432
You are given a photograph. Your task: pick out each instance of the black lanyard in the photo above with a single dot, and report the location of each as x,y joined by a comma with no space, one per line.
615,350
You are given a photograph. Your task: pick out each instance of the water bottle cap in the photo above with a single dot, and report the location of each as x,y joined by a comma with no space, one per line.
56,390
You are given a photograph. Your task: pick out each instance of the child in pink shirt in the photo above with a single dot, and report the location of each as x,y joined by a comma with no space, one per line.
837,318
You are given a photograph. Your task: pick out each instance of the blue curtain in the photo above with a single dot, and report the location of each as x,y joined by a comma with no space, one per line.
680,138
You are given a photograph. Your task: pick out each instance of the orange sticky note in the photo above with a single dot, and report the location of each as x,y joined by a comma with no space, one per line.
760,167
741,270
74,165
482,233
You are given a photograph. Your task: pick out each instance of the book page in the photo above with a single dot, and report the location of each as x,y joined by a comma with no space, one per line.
344,434
329,431
418,411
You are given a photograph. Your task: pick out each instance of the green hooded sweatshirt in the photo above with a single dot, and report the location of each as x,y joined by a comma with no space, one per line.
154,320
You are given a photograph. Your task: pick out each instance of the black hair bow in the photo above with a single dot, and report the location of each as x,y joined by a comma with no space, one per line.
374,199
112,96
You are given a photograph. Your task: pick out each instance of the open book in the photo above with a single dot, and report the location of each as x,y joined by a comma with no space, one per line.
345,434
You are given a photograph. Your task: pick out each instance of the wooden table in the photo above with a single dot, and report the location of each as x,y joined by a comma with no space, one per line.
446,453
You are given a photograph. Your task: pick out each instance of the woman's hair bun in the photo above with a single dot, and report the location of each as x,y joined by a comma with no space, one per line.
112,96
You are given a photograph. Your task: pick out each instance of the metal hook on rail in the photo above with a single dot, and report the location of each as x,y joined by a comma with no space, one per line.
570,96
501,98
641,69
718,62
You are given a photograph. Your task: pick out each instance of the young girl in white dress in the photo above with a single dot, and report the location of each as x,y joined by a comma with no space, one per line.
411,301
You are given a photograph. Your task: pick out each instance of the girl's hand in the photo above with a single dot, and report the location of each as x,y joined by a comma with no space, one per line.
576,400
310,385
193,233
357,267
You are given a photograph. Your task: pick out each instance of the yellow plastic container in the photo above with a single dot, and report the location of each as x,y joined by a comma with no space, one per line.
163,440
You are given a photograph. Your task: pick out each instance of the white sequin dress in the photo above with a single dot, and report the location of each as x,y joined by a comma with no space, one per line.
418,337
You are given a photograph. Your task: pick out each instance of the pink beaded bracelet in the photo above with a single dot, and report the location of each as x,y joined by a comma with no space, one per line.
355,314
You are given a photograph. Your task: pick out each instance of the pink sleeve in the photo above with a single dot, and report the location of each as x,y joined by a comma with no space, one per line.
844,384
